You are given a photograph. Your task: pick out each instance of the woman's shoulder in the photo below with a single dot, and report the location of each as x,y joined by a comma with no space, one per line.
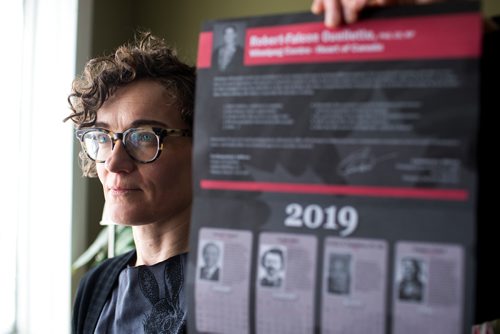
108,266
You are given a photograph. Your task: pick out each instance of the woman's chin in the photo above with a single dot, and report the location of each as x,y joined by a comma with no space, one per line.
127,217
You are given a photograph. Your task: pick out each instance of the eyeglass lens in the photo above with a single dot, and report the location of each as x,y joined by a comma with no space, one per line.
141,144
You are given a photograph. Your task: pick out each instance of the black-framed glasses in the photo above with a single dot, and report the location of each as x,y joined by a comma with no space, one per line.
142,144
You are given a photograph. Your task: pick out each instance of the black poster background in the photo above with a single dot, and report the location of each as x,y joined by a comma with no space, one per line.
447,117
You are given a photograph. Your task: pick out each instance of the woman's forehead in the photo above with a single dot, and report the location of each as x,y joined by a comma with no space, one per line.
137,101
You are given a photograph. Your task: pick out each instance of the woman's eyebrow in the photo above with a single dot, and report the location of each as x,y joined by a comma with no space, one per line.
101,125
134,124
140,122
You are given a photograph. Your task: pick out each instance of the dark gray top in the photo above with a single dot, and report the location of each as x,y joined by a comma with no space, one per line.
147,299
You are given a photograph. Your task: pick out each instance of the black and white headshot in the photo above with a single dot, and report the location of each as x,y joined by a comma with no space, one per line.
228,53
272,263
211,254
411,283
339,274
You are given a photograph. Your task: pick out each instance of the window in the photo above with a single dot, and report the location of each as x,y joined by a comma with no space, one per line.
36,168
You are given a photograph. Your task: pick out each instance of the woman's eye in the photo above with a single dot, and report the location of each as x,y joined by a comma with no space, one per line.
102,139
143,137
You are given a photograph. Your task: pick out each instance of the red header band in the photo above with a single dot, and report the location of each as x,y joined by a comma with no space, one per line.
446,36
430,37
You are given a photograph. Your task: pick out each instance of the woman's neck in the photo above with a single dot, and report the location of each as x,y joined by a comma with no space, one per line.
160,241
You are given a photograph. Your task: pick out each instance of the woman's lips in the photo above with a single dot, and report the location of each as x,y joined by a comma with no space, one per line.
118,191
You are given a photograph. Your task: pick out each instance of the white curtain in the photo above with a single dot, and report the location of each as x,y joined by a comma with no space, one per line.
36,149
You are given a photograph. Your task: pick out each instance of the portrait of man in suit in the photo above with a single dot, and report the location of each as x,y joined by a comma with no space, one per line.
273,263
210,269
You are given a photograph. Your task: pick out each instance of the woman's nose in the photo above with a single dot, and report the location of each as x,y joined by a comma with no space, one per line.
119,160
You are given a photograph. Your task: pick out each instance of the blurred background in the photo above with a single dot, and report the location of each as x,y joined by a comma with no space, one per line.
49,213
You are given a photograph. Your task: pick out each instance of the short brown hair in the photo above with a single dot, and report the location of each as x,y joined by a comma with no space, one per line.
147,57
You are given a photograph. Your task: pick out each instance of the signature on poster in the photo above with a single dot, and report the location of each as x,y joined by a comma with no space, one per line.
361,161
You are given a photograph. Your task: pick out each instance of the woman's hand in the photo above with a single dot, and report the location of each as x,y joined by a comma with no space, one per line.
338,12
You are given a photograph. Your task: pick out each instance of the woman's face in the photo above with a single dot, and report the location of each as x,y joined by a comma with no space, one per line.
137,193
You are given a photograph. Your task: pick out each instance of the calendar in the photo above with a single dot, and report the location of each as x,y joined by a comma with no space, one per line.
335,173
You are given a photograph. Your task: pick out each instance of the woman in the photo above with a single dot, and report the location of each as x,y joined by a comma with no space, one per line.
134,112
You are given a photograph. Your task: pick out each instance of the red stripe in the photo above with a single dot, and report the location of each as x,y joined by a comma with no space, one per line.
430,37
322,189
205,42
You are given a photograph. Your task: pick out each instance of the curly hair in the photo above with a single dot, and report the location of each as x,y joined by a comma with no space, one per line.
147,57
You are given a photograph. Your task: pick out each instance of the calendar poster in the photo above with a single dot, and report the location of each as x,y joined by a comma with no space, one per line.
335,173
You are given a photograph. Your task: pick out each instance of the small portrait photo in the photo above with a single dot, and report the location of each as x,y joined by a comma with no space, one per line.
411,279
211,255
339,273
272,266
228,46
